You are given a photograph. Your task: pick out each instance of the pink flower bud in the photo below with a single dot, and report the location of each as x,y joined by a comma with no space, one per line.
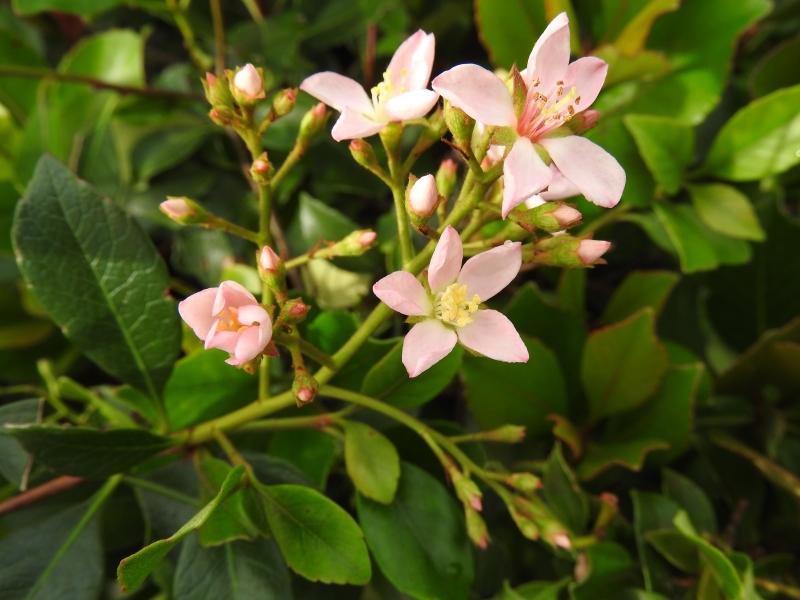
566,216
261,165
590,251
298,310
248,82
268,260
211,79
305,395
367,238
176,208
424,196
562,541
284,101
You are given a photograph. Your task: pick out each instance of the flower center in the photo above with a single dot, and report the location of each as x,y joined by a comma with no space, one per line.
382,92
228,320
454,306
545,113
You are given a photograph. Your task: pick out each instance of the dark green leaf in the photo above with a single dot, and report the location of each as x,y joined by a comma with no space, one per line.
104,285
508,30
776,69
312,452
419,541
638,290
675,548
85,8
632,38
13,457
692,499
86,452
372,462
562,492
629,454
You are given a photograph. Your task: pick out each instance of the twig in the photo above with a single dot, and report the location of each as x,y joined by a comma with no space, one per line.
219,36
40,492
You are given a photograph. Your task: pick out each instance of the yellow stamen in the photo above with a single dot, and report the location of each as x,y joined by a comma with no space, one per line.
454,306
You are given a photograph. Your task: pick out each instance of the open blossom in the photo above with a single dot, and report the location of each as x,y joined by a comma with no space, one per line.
230,318
449,310
555,91
402,94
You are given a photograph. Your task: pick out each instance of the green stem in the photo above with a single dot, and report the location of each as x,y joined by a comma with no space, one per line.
305,347
263,379
775,587
607,218
219,36
232,228
403,229
312,422
264,212
294,156
254,10
75,391
201,60
161,490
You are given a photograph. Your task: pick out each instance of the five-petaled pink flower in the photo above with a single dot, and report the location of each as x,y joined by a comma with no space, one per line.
556,90
230,318
402,95
448,309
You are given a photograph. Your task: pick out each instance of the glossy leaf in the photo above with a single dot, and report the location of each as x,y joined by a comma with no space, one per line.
639,290
666,145
372,462
508,30
103,285
631,39
312,452
725,209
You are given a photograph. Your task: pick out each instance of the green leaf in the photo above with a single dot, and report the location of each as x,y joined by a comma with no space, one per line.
372,462
508,30
13,458
726,210
632,38
389,381
85,8
630,454
563,494
692,499
674,547
608,568
104,285
760,140
133,570
202,387
312,452
419,541
638,290
666,145
652,512
333,287
519,394
235,571
775,69
622,365
163,149
85,452
318,539
317,222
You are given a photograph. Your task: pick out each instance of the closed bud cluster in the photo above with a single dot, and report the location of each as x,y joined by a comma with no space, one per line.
460,125
304,387
217,92
283,102
524,523
422,198
566,251
524,482
261,169
247,85
550,216
312,123
446,177
184,210
476,528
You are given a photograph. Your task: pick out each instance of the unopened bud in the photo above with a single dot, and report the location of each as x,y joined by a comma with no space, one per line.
591,251
506,434
312,123
584,121
269,261
248,85
217,91
354,244
446,177
304,387
219,117
272,271
423,197
566,215
524,482
296,310
366,237
561,540
261,169
364,154
525,525
183,210
548,216
466,489
460,125
476,529
283,102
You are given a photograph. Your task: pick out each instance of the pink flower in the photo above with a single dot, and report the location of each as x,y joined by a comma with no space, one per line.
230,318
556,90
402,95
448,309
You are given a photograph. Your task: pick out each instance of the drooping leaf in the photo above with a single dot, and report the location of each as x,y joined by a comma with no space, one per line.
638,290
104,285
666,145
133,570
318,539
86,452
622,365
372,462
419,541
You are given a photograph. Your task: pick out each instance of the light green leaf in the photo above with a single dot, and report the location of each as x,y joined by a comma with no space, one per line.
133,570
371,461
638,290
508,30
632,38
318,539
389,380
419,541
760,140
104,285
85,8
726,210
622,365
333,287
666,145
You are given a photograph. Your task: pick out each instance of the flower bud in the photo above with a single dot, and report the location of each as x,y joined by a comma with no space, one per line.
476,529
269,261
466,489
364,154
304,387
423,197
312,123
591,251
524,523
272,271
247,85
561,540
446,177
354,244
183,210
297,309
261,169
283,102
506,434
524,482
566,216
548,216
366,237
217,91
584,121
460,125
220,117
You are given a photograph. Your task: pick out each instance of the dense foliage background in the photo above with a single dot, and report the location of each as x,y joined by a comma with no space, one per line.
661,398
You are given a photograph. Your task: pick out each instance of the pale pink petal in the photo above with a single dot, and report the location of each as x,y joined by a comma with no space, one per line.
549,58
487,273
560,187
587,74
337,91
524,174
479,93
401,291
426,344
590,251
411,105
493,335
594,171
231,294
224,340
197,311
254,313
353,124
535,201
410,67
446,260
249,344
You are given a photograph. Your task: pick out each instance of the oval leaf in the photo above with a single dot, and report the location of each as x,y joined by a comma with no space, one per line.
726,210
372,462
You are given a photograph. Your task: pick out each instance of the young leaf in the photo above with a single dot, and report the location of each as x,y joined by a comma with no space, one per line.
726,210
622,365
419,540
86,452
104,285
372,462
638,290
133,570
318,539
666,145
